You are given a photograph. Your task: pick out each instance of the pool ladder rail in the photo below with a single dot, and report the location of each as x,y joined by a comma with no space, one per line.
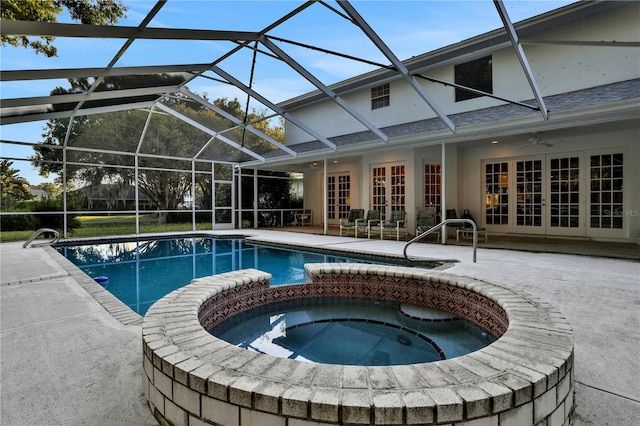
56,237
437,228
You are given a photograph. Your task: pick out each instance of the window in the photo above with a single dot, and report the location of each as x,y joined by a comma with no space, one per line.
476,75
380,96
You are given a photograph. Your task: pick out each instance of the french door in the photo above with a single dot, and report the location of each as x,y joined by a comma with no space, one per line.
536,195
388,188
338,196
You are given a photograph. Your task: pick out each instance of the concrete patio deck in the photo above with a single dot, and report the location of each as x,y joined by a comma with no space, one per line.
66,361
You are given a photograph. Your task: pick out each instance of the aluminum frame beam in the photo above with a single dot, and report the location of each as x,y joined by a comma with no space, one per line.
322,87
402,69
222,73
513,36
42,116
210,132
98,81
79,97
54,29
65,73
238,122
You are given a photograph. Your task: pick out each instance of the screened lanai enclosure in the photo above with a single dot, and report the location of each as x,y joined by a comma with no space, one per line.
182,121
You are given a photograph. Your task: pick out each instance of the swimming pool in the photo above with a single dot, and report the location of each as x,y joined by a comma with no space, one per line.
140,272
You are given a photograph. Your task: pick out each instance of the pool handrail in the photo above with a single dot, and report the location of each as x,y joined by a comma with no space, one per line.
440,225
40,232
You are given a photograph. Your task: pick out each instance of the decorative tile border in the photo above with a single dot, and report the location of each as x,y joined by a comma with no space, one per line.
191,377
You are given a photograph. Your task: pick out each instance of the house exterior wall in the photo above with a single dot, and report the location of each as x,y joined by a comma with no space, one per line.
557,69
579,143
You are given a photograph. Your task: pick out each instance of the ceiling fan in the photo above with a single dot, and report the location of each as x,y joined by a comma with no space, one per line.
536,141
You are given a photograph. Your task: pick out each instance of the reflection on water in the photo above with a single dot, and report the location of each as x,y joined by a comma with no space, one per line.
141,272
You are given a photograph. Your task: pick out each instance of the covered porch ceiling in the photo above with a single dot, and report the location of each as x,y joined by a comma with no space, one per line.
150,87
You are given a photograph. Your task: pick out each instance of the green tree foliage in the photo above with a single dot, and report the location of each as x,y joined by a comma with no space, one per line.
49,189
14,187
170,141
15,190
94,12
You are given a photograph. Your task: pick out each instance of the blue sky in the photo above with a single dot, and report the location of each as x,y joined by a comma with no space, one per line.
409,28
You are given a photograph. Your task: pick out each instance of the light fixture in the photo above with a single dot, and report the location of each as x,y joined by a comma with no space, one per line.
494,142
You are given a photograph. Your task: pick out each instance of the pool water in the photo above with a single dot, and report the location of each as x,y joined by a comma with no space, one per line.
350,332
141,272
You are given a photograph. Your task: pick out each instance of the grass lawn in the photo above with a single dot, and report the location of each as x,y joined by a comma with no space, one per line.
98,226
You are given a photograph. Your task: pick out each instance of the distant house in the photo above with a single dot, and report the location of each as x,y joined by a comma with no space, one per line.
111,197
37,194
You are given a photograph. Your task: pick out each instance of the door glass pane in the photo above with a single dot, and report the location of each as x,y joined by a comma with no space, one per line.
606,209
497,193
564,193
344,195
379,193
397,188
432,186
331,197
529,193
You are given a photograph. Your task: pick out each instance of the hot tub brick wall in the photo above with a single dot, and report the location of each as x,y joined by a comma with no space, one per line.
191,378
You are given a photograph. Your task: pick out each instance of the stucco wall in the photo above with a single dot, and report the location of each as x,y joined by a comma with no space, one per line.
557,69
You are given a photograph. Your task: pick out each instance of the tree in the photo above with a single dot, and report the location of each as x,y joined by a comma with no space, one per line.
14,187
167,138
93,12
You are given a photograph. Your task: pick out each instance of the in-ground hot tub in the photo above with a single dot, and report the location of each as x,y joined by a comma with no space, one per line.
194,378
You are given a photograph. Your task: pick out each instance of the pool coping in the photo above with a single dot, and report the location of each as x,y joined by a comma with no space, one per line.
190,376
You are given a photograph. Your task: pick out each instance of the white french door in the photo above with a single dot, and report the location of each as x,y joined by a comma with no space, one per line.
338,196
388,188
535,195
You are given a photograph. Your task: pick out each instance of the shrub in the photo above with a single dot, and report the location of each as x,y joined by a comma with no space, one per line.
54,220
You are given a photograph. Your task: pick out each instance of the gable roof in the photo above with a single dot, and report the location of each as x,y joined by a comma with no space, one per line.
623,93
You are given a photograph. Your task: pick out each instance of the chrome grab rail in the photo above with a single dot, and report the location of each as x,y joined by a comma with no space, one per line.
440,225
40,232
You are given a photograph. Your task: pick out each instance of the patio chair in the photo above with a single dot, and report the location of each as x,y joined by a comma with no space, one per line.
349,223
452,214
395,225
372,219
304,218
426,218
466,230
